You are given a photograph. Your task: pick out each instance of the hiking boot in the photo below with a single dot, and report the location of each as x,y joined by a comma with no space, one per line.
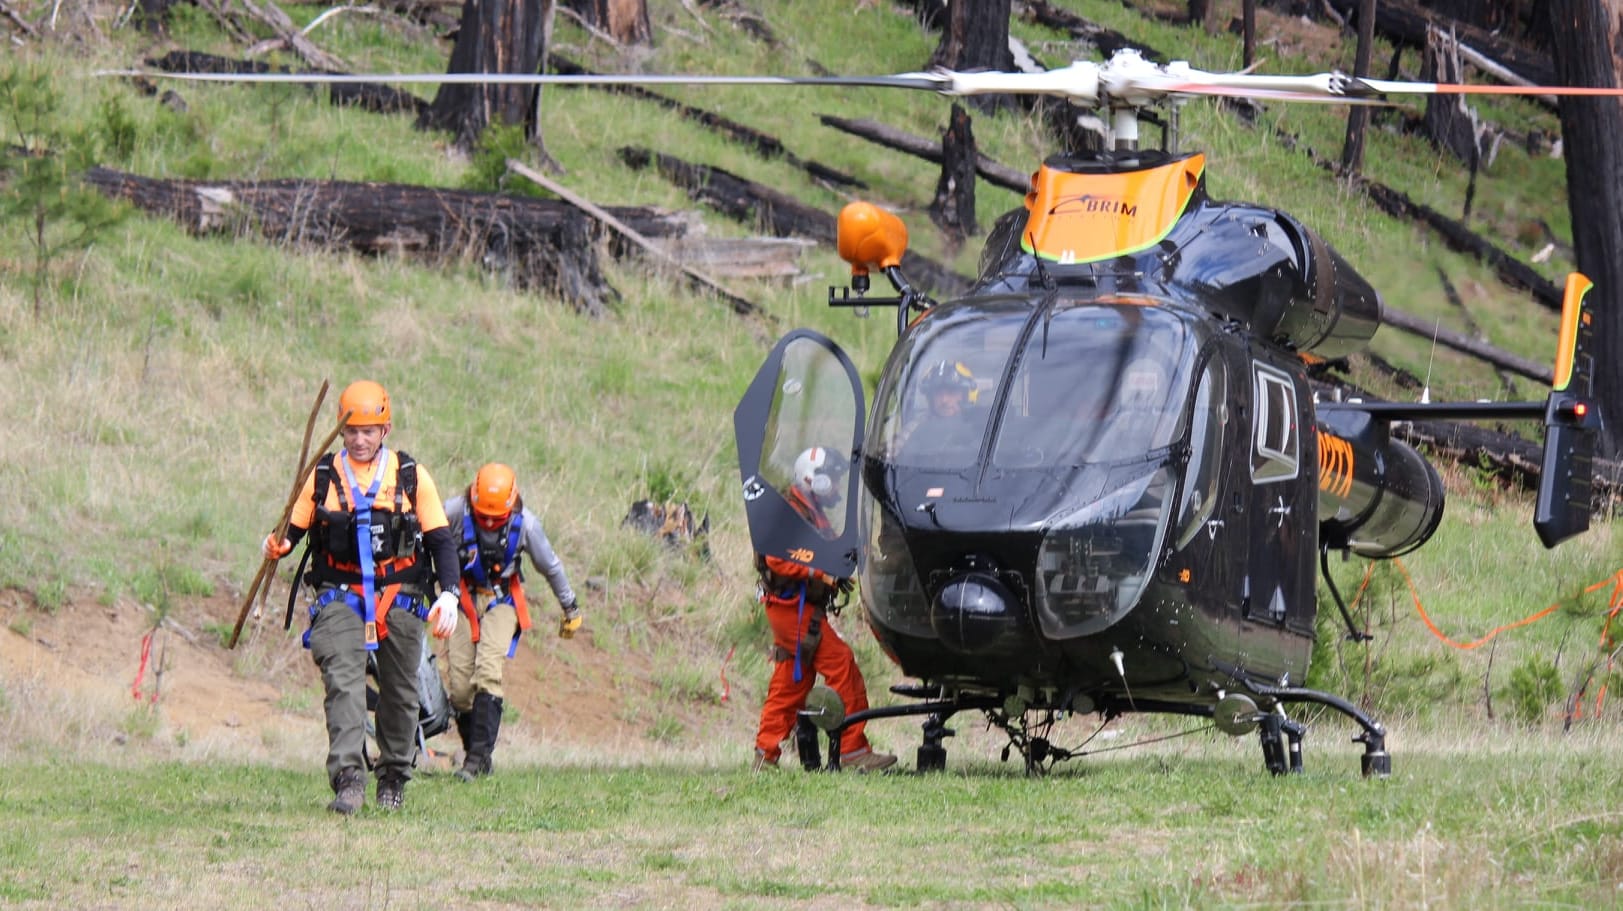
392,791
762,763
472,768
867,761
350,786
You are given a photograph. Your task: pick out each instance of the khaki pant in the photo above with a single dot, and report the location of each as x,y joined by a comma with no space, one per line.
476,667
338,646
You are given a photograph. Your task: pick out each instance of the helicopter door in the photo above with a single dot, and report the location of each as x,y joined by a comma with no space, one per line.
1278,587
799,430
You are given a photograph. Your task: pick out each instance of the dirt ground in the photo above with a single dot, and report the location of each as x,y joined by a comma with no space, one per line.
75,679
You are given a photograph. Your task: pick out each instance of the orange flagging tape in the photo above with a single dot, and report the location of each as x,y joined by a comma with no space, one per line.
1615,580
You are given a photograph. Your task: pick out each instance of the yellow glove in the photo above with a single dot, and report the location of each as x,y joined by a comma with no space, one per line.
570,622
274,549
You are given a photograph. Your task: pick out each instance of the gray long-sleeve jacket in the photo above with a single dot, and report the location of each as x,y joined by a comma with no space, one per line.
532,541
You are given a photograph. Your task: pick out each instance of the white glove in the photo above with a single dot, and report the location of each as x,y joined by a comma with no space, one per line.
442,616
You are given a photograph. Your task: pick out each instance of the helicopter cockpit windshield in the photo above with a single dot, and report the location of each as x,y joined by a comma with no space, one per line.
1080,383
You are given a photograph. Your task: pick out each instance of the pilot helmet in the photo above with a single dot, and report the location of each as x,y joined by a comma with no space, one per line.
954,375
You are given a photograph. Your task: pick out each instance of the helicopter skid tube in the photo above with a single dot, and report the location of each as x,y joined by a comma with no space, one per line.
945,708
1376,761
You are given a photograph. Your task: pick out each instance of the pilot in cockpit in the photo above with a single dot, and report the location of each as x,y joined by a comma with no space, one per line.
946,424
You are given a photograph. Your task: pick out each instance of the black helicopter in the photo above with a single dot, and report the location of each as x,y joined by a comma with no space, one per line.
1127,517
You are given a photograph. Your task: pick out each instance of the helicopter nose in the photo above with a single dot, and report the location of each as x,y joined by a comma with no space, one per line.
973,613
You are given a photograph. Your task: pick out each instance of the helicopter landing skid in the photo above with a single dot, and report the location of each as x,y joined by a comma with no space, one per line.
932,755
1376,761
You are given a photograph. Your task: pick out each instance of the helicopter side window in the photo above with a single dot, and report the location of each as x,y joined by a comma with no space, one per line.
1207,419
1276,442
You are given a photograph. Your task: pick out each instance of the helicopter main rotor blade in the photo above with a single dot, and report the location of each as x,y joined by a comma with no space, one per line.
925,81
1126,80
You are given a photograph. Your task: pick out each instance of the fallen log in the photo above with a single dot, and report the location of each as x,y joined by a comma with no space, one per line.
928,149
1426,329
1107,41
539,244
1458,237
371,96
764,145
740,305
777,213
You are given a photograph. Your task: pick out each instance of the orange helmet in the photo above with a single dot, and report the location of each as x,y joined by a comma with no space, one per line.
365,402
494,491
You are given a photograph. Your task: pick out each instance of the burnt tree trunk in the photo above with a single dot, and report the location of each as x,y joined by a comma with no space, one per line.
1450,123
977,38
496,36
1588,53
1248,31
1352,152
626,21
953,209
540,244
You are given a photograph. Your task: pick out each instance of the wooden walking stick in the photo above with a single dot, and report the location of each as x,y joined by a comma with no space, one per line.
268,566
298,471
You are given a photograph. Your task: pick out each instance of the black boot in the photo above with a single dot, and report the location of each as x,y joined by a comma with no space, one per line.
494,723
349,789
464,729
391,790
487,718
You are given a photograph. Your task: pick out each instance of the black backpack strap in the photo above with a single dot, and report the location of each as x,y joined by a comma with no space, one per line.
324,470
406,476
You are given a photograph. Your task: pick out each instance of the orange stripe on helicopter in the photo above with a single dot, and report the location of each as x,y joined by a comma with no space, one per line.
1335,464
1572,305
1080,218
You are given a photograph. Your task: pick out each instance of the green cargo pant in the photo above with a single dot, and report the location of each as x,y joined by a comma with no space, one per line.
338,645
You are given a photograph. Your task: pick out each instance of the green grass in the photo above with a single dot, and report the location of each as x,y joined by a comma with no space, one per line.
1450,829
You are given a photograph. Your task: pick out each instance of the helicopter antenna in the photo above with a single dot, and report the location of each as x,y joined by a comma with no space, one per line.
1425,388
1121,671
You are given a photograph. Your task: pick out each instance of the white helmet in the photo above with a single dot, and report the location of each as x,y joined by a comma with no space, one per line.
812,469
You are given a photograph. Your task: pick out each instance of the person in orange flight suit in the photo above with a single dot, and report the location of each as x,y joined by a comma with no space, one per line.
374,517
805,644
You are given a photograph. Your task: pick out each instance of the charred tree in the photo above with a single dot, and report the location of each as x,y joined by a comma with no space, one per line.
953,209
1452,125
1589,54
977,38
1352,152
496,36
626,21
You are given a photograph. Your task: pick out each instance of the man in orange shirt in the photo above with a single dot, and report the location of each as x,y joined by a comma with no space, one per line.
373,517
805,644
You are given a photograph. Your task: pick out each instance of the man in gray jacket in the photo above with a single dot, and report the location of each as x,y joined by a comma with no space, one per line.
494,530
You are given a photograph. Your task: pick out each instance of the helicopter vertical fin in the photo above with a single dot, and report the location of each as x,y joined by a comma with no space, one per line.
1571,423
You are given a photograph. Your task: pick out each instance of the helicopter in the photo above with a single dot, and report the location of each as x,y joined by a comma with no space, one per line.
1126,520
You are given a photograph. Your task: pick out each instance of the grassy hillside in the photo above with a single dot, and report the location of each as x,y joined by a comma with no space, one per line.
154,406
